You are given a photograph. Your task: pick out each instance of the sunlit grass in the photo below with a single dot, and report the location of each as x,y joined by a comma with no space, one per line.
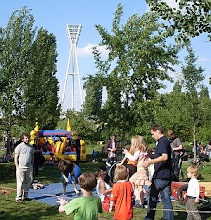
34,210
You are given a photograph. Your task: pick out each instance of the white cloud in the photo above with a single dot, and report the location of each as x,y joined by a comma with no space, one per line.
87,50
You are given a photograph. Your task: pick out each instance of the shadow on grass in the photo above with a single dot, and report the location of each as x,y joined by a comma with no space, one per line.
7,174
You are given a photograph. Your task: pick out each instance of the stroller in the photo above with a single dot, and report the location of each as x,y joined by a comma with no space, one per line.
111,162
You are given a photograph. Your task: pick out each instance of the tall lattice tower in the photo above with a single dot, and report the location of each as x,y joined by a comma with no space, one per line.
73,31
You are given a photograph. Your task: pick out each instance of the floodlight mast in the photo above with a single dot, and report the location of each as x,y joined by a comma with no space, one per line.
73,32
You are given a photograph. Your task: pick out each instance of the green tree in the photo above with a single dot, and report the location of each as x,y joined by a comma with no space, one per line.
192,78
28,87
190,20
15,45
138,60
93,99
41,84
204,130
85,127
172,112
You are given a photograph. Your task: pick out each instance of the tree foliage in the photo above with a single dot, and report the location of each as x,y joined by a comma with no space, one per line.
41,85
138,60
85,127
190,20
28,87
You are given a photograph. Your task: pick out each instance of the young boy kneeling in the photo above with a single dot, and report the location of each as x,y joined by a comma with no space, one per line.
87,206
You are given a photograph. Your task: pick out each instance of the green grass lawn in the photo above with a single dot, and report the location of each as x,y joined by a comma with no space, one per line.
32,210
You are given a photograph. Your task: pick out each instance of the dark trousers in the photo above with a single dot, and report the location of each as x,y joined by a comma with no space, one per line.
132,169
78,153
36,166
191,206
164,188
176,167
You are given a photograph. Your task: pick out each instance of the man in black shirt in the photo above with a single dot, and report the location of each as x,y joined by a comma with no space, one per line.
161,181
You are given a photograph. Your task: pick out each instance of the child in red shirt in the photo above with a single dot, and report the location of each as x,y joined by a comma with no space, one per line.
122,194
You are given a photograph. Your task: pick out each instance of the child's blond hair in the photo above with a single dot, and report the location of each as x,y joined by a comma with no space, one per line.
193,169
138,143
121,173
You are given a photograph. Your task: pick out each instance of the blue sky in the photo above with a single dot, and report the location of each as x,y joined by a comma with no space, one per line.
53,15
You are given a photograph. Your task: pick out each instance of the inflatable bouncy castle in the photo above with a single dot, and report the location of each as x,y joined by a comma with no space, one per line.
59,144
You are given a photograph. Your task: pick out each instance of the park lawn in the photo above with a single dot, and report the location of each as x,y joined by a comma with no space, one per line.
32,210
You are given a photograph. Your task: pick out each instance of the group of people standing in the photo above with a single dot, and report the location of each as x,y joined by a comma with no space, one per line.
130,181
152,172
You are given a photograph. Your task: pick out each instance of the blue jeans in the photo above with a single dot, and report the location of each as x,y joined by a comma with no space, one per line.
164,188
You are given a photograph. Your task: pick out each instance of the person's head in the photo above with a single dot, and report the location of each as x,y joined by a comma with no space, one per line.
157,132
192,171
87,181
65,165
113,137
121,173
101,174
51,155
138,143
171,134
25,137
127,147
103,168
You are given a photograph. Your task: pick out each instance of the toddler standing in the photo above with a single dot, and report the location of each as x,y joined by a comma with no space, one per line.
193,193
122,194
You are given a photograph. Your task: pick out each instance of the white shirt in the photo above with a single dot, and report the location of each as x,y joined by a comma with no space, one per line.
193,188
107,186
133,157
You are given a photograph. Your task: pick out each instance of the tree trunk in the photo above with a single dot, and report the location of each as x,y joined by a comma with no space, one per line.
194,142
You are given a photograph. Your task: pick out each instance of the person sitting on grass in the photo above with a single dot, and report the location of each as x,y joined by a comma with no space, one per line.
103,189
87,206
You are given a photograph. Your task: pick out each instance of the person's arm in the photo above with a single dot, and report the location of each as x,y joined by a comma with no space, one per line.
100,210
162,158
123,160
62,202
16,160
197,187
180,147
32,160
113,197
130,156
111,206
107,148
178,143
103,189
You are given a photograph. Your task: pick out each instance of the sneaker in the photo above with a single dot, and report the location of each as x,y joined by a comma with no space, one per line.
137,205
19,201
145,206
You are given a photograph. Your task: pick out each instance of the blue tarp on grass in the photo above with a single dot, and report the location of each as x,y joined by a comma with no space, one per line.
50,193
